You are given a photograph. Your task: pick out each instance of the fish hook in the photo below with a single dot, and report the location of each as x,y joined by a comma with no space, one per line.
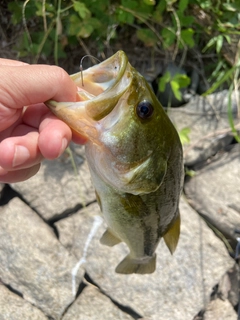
81,63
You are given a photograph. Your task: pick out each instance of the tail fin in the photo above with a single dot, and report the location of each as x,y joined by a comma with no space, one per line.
140,266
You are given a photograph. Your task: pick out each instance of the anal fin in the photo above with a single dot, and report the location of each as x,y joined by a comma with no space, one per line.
109,239
172,236
140,266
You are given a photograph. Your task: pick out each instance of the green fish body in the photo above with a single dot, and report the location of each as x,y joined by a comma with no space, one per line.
135,158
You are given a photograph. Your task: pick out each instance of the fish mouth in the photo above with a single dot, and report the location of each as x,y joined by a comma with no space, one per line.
99,89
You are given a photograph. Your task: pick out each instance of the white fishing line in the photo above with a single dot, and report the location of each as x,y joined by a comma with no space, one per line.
96,224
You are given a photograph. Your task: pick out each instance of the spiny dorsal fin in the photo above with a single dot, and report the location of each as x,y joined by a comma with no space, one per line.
172,236
109,239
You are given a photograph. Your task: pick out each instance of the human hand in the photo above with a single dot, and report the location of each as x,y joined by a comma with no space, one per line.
29,132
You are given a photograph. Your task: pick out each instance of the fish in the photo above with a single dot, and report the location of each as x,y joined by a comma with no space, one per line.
134,155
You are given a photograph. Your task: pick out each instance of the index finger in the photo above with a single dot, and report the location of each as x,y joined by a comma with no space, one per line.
9,62
30,84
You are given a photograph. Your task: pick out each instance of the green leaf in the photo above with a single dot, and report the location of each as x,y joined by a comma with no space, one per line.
230,114
210,43
74,26
187,37
169,37
190,173
182,79
147,36
165,79
130,4
86,30
224,77
81,9
150,2
229,6
125,17
219,43
226,36
185,21
184,135
49,9
182,5
16,10
205,4
15,7
175,88
161,7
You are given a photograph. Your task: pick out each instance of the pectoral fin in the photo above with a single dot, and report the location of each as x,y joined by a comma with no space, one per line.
109,239
172,236
130,265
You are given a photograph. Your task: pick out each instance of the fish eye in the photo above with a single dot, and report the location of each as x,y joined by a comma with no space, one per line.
144,109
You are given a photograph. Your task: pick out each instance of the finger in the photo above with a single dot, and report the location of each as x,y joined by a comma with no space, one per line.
18,175
21,150
9,62
7,132
52,131
30,84
8,116
78,139
54,137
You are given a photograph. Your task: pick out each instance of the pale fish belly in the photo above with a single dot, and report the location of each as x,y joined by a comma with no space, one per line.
129,220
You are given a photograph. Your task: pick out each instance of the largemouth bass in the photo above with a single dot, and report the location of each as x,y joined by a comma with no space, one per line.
134,155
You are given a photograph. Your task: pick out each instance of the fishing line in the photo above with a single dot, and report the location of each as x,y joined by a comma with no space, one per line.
81,63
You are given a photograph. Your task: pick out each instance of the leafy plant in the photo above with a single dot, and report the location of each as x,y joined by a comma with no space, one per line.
60,23
177,82
167,26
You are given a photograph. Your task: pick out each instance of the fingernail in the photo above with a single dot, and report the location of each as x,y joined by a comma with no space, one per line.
21,155
64,145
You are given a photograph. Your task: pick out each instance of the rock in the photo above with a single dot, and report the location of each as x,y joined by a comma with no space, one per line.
214,192
227,288
13,307
208,121
33,262
56,189
181,284
220,310
224,298
92,304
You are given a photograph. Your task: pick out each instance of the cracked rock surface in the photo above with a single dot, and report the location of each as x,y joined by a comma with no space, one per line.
15,307
184,279
53,267
99,304
33,261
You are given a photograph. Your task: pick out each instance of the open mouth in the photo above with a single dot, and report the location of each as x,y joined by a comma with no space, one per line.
99,89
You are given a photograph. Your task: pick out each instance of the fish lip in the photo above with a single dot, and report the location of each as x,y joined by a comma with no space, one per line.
113,70
99,106
120,60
